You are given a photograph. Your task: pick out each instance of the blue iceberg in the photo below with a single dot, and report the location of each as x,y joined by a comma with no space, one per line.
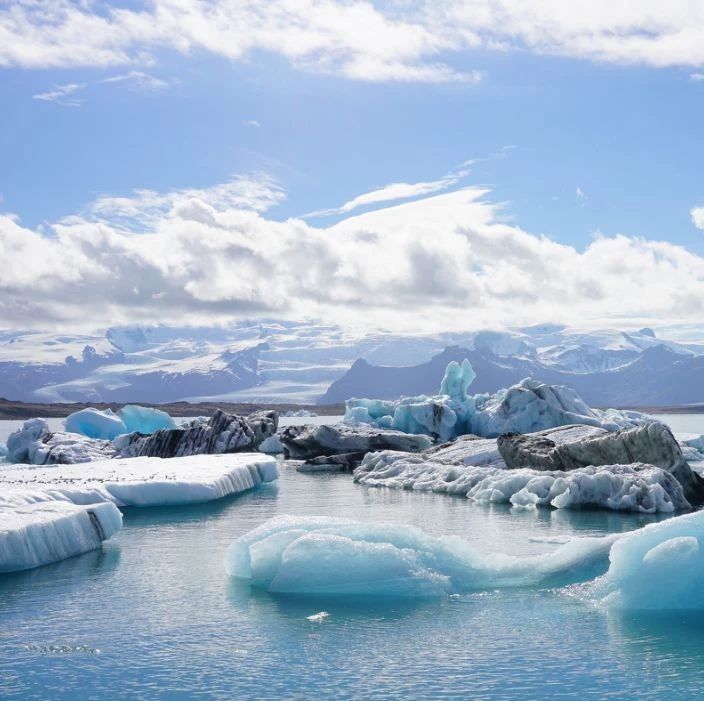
95,423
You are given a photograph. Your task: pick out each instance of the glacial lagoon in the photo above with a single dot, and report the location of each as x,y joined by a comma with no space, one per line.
154,615
167,622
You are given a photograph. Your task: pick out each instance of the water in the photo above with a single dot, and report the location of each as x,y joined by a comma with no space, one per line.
153,616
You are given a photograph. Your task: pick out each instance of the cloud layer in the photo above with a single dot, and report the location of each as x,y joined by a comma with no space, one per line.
409,40
443,262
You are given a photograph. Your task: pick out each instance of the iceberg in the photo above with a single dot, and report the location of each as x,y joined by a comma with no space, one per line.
222,433
312,441
526,407
95,423
635,487
339,557
271,445
141,481
35,444
660,566
142,419
35,532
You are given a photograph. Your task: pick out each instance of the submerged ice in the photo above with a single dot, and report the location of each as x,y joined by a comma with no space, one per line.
338,557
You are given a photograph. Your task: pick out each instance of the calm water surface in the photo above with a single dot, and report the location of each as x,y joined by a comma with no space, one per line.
169,624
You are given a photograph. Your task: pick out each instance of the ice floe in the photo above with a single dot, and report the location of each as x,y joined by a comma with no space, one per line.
142,481
35,532
337,557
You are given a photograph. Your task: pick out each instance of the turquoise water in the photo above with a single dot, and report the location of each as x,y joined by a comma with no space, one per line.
153,616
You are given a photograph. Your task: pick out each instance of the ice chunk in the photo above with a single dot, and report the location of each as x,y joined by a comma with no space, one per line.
95,423
21,444
637,487
143,481
35,533
660,566
271,445
142,419
336,557
457,380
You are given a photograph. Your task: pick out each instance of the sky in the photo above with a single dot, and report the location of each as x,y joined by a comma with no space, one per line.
400,165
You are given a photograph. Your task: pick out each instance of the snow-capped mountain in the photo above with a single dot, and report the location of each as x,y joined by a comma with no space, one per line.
305,363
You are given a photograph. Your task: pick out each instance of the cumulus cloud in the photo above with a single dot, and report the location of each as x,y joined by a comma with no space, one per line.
697,214
206,256
358,39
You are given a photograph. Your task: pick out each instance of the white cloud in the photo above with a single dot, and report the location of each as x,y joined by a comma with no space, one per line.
359,39
253,123
696,77
206,256
393,193
62,94
138,80
697,214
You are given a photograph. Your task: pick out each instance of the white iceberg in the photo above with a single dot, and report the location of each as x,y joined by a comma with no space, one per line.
35,532
35,444
660,566
95,423
482,478
271,445
337,557
142,481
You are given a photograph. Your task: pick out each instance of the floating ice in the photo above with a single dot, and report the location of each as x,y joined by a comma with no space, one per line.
637,487
95,423
271,445
457,380
21,445
142,419
524,408
142,481
337,557
34,532
660,566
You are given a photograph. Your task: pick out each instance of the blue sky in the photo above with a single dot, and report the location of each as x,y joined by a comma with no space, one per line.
579,124
628,137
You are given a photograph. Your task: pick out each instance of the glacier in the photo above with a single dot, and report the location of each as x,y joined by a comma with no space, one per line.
38,530
658,567
142,481
340,557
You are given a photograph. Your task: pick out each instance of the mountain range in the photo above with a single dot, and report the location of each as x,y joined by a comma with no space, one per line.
304,362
